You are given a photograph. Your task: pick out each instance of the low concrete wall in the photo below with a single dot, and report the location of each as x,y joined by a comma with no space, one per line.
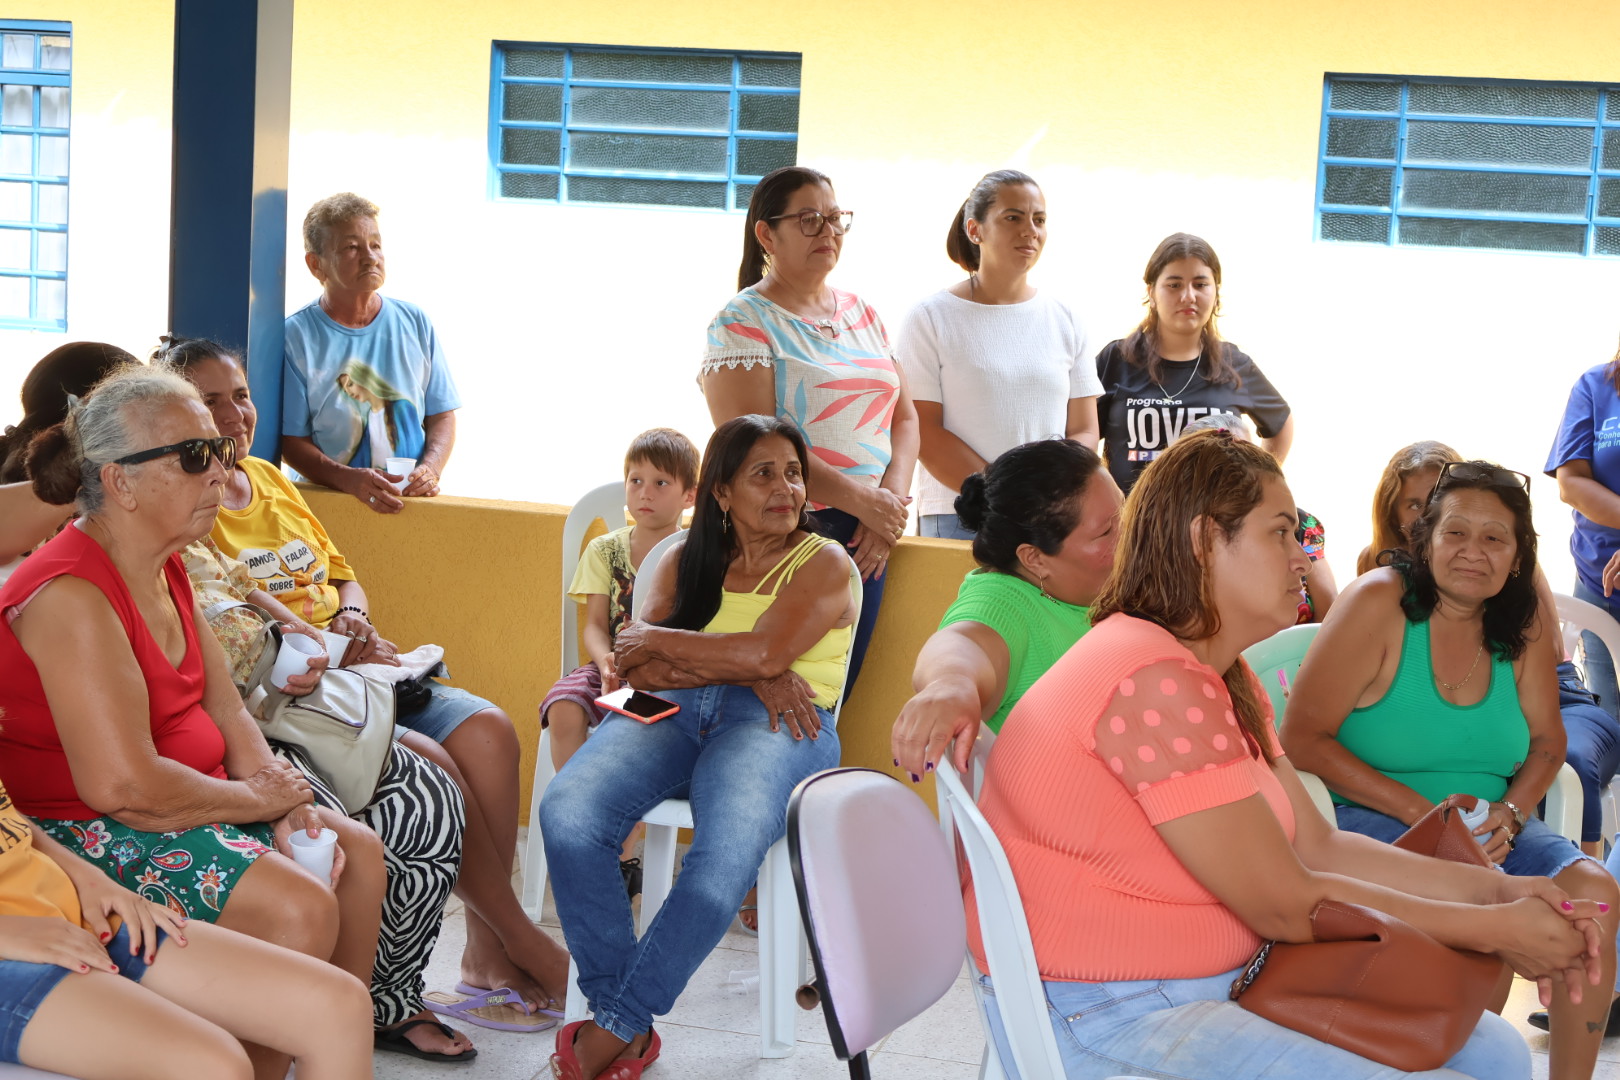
483,578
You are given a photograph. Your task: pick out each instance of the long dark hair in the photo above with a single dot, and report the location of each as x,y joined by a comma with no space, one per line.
1025,496
1159,572
710,544
962,250
770,199
70,369
1509,613
1142,346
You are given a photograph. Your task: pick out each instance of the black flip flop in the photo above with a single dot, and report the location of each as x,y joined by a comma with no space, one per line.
393,1039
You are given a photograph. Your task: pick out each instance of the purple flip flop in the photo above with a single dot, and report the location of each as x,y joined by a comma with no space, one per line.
473,991
500,1009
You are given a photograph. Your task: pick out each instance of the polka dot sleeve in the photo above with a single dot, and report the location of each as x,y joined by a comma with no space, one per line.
1169,735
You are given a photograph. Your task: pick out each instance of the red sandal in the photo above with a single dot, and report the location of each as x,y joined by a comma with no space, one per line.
631,1068
565,1063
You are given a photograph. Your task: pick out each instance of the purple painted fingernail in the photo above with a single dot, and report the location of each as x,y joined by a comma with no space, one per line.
915,779
897,762
1603,907
1567,906
928,766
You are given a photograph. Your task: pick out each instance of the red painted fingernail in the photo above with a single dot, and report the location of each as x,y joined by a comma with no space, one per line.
84,967
1568,906
1603,907
105,936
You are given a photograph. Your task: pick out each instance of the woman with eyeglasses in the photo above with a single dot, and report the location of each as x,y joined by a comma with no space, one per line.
790,345
123,736
994,362
1436,674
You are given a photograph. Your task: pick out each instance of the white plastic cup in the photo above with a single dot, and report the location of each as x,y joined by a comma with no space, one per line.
315,853
293,659
401,467
336,646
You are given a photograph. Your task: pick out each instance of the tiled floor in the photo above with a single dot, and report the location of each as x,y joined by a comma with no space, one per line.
713,1031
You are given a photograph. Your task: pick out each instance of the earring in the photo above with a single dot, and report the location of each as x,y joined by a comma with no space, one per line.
725,521
1046,594
1514,572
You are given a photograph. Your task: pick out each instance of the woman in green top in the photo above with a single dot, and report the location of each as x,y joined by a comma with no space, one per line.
1045,516
1435,675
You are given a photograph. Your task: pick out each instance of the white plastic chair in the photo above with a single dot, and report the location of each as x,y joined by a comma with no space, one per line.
1574,616
607,504
858,838
1004,932
779,937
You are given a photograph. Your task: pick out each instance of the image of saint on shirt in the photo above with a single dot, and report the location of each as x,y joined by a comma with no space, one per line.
387,422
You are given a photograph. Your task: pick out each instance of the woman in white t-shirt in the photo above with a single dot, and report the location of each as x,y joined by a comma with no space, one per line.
992,362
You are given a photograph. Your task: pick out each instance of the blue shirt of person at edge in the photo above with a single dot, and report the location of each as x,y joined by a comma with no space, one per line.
1590,431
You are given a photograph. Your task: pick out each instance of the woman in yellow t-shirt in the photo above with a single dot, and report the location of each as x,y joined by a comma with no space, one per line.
189,990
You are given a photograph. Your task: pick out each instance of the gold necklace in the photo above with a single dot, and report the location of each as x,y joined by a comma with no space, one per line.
1454,687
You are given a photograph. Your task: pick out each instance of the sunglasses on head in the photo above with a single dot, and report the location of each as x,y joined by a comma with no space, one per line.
195,454
1472,472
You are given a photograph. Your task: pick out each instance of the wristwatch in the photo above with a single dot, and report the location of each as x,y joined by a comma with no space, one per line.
1519,817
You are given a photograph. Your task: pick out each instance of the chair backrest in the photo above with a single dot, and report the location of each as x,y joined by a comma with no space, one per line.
1577,615
649,564
1281,652
858,839
1003,929
607,504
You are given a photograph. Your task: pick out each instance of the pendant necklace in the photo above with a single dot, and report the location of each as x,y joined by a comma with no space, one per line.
1177,395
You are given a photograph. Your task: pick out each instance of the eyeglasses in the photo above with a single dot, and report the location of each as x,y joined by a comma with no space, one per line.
195,454
1472,472
811,222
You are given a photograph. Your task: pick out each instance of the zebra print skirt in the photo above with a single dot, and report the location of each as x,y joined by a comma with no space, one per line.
419,816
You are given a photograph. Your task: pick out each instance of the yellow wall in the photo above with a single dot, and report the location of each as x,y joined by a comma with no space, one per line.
482,578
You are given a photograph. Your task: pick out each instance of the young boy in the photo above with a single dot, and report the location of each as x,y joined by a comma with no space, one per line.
660,481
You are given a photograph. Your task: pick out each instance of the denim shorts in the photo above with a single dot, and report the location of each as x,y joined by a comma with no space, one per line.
1537,851
23,986
446,708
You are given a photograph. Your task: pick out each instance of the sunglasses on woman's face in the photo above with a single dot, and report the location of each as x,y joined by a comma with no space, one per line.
195,454
1472,472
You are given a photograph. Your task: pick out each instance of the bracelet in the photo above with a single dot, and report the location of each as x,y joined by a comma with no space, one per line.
350,607
1518,816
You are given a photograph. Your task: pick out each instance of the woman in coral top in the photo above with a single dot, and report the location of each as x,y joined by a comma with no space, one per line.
1159,835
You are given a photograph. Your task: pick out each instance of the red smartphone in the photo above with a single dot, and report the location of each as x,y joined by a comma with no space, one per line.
648,708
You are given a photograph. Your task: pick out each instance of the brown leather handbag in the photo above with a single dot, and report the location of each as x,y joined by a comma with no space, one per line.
1372,984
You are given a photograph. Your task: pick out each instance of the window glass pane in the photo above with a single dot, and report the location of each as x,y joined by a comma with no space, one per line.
1507,235
52,252
531,146
17,106
542,104
647,153
15,202
52,300
529,185
53,155
17,154
53,106
649,192
1577,102
761,71
744,193
17,51
1499,144
1365,96
1427,189
55,53
53,204
1356,228
1606,242
1608,203
651,67
1357,185
1612,110
16,249
681,109
534,63
1355,137
756,157
1610,158
13,298
768,112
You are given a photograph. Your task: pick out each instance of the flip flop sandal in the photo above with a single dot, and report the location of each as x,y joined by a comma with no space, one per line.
632,1068
393,1039
751,931
552,1008
565,1062
500,1009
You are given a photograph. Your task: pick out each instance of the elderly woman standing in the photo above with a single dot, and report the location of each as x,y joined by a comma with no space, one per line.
748,632
791,345
152,770
351,327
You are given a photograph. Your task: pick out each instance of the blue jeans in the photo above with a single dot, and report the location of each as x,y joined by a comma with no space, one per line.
1600,677
1186,1029
24,986
1593,746
943,527
719,752
841,527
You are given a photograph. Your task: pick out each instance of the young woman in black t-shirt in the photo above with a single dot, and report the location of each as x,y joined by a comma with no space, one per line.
1175,368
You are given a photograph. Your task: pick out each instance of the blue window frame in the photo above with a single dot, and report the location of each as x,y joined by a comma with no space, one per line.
36,62
598,124
1498,164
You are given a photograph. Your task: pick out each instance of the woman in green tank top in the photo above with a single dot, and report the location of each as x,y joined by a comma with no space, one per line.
1435,675
1045,517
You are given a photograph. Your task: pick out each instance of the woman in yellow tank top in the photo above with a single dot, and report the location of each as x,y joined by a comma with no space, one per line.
748,630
